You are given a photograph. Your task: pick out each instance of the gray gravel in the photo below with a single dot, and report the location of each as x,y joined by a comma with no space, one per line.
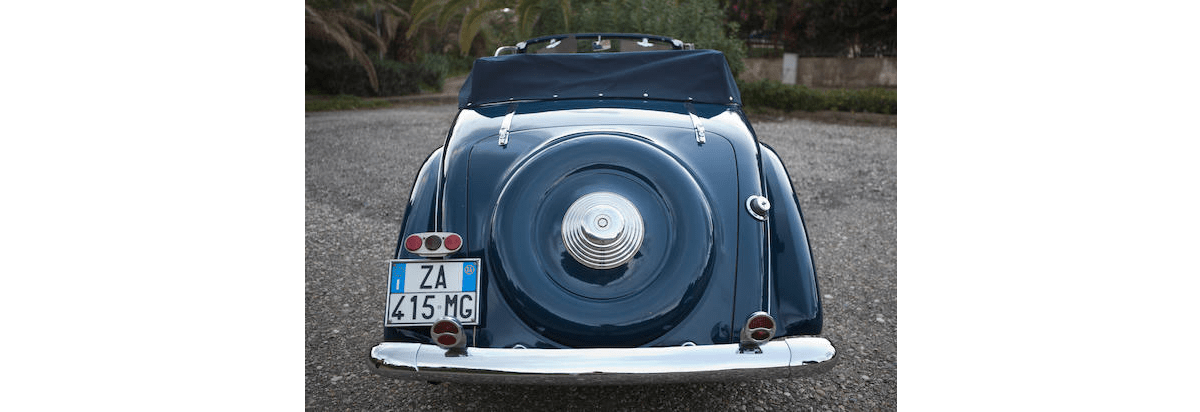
359,167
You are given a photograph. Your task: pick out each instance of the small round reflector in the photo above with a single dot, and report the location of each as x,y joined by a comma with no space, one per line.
447,340
759,334
761,322
433,242
453,242
412,243
445,327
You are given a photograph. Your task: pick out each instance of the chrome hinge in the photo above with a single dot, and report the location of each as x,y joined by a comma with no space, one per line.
506,124
699,128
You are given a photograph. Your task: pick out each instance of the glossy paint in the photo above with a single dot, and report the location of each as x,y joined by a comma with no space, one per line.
798,298
705,265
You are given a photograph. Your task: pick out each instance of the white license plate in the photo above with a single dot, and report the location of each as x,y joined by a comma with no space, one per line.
423,291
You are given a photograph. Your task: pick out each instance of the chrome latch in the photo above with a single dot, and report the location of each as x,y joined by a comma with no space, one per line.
506,124
696,125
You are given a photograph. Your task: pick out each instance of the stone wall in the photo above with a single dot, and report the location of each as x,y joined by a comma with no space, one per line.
827,72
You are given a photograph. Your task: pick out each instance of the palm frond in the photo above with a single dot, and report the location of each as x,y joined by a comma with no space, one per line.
318,25
470,27
451,9
353,24
391,23
396,9
421,10
528,16
565,5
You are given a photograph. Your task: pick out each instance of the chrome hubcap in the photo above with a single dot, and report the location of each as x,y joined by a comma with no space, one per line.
602,230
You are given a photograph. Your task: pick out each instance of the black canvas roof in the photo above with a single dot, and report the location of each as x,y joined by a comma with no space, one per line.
701,76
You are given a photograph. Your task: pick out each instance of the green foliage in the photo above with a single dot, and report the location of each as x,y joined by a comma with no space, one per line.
356,26
471,23
447,64
693,21
330,72
343,102
776,95
343,29
821,27
472,20
396,78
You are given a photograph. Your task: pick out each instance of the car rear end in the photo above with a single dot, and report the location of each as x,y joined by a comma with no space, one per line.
605,240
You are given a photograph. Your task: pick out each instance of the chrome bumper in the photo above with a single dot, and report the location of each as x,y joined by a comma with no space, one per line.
781,358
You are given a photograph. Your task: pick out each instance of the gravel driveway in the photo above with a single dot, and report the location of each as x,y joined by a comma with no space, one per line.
359,167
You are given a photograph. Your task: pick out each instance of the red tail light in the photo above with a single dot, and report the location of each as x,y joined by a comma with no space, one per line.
758,322
453,242
445,327
413,243
433,244
759,329
448,333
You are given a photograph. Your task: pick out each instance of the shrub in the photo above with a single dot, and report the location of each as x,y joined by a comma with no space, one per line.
396,78
776,95
447,64
329,71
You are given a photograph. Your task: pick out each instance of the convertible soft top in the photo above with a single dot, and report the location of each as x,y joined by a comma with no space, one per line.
701,76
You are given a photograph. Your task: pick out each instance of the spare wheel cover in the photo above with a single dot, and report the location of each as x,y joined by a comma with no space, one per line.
579,306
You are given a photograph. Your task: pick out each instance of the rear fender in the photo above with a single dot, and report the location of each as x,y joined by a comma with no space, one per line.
796,297
420,215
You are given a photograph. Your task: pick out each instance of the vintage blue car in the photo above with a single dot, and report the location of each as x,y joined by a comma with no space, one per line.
601,213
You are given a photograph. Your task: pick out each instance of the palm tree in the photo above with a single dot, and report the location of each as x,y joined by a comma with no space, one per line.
474,12
343,28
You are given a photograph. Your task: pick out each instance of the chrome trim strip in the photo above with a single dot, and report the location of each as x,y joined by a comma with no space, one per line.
780,358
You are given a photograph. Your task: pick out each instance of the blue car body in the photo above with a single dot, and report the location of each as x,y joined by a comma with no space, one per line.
523,149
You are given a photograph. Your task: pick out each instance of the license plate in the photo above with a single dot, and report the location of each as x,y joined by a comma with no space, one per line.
423,291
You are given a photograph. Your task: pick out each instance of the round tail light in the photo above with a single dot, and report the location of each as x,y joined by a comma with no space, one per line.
448,333
453,242
445,327
761,322
759,329
433,244
412,243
